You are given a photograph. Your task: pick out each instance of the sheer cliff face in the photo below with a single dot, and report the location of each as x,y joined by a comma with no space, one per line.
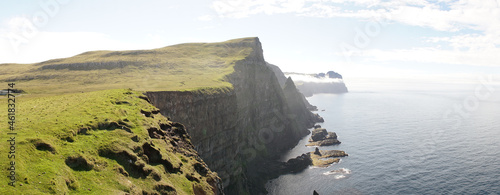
236,129
211,121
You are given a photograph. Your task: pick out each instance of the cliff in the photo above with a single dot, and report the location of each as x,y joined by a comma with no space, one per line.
278,73
237,130
282,80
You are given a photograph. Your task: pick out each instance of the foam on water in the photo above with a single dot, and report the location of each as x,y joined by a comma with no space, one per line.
339,173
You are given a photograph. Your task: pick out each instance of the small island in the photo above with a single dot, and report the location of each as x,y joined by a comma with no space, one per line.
323,158
320,137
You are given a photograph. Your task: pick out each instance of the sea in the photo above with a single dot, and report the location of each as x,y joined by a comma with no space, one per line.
405,142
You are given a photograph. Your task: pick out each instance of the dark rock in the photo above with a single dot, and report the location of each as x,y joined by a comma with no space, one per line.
155,157
316,151
135,138
146,113
315,193
318,135
328,142
297,164
317,126
156,133
201,169
318,118
333,153
331,135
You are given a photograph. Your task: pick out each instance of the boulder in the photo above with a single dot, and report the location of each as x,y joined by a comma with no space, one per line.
331,135
297,164
328,142
318,134
320,137
316,151
318,118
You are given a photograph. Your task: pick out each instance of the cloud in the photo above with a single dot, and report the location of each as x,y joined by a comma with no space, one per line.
481,18
245,8
444,15
50,45
310,78
482,57
206,18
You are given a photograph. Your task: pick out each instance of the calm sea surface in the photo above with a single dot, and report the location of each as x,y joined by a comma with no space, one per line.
406,142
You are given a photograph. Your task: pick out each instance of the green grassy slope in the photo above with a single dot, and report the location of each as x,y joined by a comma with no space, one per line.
98,143
179,67
80,126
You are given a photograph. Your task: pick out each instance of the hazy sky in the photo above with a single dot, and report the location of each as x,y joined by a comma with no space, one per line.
440,40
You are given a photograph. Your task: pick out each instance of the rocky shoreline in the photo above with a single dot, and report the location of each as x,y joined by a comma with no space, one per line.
319,158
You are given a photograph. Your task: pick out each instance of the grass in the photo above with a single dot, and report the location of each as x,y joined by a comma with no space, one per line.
50,132
180,67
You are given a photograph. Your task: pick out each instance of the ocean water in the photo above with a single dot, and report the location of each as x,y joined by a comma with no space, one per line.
405,142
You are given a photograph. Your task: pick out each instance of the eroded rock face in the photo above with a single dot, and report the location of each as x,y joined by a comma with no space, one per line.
318,134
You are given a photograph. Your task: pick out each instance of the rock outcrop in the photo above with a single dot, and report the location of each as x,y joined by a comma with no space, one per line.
320,137
272,169
325,157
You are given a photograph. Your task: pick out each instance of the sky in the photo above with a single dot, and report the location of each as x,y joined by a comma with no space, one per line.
367,41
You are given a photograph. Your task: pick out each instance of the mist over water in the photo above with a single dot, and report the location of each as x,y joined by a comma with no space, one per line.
405,142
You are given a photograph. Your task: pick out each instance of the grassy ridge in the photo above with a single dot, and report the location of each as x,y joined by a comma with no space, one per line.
179,67
55,133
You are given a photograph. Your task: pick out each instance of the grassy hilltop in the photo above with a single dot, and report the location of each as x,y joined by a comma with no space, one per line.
84,126
179,67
